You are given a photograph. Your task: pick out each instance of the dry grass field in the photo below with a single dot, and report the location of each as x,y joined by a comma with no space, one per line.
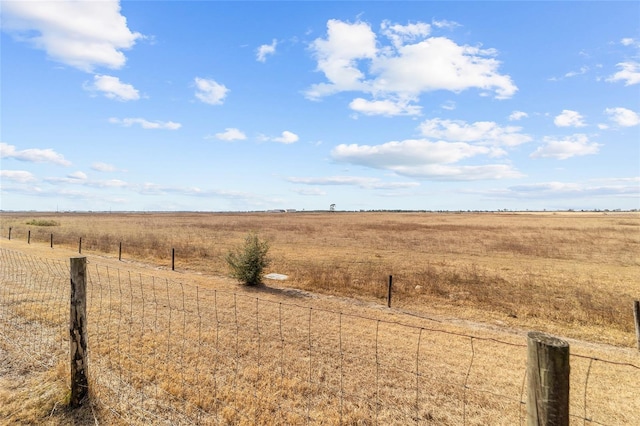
574,274
322,347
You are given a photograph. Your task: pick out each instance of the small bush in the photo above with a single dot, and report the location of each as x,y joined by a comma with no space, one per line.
248,262
43,222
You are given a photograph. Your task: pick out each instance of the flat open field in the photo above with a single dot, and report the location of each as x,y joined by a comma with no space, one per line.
191,346
573,274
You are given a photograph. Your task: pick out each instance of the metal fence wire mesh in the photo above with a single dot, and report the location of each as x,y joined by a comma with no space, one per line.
165,352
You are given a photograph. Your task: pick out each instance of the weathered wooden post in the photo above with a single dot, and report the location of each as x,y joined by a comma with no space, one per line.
548,378
80,246
389,291
636,315
29,237
173,259
9,233
120,251
78,331
51,240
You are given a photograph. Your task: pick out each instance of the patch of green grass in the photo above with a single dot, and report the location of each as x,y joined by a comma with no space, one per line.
43,222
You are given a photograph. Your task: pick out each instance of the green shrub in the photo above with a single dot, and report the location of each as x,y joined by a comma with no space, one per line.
248,262
43,222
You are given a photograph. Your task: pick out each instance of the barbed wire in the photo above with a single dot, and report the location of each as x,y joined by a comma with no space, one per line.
171,352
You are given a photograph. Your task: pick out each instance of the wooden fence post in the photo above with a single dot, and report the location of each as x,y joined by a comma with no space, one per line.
389,291
80,246
636,315
173,259
29,237
78,331
548,380
9,233
120,251
51,240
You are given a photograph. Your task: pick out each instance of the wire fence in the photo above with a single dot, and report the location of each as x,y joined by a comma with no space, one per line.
165,352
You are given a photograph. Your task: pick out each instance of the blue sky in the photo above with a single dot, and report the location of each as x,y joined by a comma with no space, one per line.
227,106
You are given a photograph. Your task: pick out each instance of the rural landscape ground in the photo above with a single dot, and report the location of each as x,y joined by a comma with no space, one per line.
470,284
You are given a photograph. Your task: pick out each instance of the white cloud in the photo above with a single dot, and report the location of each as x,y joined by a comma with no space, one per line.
583,70
337,57
332,180
620,181
546,190
385,107
287,137
627,41
209,91
266,49
19,176
461,173
443,23
61,192
310,191
448,105
146,124
231,134
353,59
557,187
571,146
394,185
629,73
408,152
424,159
440,64
481,132
623,116
362,182
81,34
110,183
568,118
402,34
77,175
33,155
80,178
517,115
113,88
103,167
249,198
